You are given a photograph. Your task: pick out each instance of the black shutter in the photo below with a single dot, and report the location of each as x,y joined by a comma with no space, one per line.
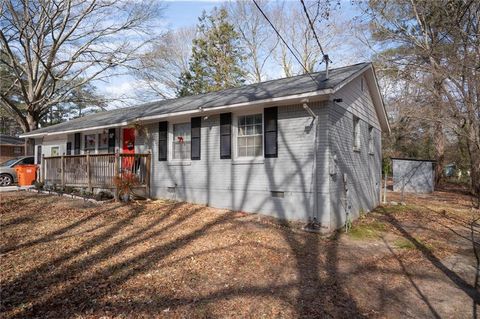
162,140
69,148
196,127
39,154
111,140
226,135
77,143
271,131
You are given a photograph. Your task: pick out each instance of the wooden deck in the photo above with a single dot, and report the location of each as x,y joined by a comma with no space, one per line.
95,170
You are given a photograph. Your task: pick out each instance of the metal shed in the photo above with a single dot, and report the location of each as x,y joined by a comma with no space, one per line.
413,175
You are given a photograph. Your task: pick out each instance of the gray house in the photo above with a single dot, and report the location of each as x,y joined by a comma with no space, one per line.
295,148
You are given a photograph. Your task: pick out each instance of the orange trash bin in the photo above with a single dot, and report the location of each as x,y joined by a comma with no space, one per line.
26,174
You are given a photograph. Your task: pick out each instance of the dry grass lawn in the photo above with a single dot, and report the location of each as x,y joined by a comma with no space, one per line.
66,258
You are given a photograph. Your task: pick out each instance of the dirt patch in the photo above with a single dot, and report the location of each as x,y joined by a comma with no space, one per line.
66,258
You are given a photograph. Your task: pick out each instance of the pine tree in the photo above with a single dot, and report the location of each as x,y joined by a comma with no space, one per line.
217,57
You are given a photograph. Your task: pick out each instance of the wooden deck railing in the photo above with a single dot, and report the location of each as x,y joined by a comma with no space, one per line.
95,170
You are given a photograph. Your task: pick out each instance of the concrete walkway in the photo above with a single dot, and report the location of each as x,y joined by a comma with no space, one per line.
14,188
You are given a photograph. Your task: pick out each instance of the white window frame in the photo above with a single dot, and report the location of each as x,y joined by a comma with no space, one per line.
248,159
371,140
57,147
91,150
97,146
357,140
171,160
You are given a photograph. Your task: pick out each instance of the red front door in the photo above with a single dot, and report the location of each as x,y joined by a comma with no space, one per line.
128,140
128,147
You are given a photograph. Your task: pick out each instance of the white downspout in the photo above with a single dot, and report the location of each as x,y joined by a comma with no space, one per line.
315,149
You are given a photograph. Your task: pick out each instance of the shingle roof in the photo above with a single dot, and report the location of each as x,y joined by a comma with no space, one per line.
11,140
248,93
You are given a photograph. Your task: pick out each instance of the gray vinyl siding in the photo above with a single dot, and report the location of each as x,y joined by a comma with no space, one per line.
312,188
413,176
225,183
360,169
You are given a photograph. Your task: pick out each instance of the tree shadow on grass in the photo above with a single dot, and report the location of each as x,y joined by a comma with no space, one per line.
470,290
79,281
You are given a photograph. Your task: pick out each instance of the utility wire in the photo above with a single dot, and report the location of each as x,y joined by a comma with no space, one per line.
285,42
311,26
325,56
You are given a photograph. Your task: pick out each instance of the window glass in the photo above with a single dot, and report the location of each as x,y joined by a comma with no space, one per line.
103,141
181,143
28,160
9,162
370,139
250,137
89,142
356,133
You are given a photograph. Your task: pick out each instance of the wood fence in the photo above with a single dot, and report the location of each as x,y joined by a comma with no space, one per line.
95,170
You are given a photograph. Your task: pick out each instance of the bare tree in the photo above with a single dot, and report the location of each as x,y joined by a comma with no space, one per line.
256,36
54,47
438,41
331,29
163,63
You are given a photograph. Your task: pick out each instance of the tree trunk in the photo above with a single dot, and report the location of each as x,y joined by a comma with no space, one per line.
438,132
474,154
32,121
439,144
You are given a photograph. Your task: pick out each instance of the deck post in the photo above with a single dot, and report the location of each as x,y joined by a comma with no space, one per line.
148,170
89,177
116,169
62,169
42,169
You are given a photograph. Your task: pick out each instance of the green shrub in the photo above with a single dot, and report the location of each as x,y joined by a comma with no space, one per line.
38,185
68,189
103,195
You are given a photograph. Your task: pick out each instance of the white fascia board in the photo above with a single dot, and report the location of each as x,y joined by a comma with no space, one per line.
276,100
378,100
376,97
75,130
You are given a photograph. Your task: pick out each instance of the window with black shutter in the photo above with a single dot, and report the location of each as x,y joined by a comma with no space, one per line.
69,148
271,131
162,140
226,135
196,126
111,140
76,142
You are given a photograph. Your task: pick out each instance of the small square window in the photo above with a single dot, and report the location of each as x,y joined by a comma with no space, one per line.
55,151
